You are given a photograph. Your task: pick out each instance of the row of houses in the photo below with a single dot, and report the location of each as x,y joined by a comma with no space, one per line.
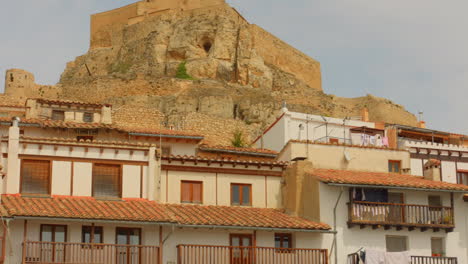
78,189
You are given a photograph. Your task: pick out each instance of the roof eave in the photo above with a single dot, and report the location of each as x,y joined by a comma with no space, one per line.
199,138
393,187
167,223
258,154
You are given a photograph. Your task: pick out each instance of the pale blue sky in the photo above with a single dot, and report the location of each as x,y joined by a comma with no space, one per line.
412,52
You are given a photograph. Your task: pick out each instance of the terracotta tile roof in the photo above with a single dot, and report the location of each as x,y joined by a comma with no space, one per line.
240,151
146,211
157,132
84,208
239,216
88,143
382,180
226,161
64,124
341,144
68,102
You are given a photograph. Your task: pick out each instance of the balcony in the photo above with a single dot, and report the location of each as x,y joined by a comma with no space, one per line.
195,254
354,259
71,253
400,216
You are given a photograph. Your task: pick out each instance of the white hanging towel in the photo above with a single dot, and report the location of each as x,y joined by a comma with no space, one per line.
375,257
398,258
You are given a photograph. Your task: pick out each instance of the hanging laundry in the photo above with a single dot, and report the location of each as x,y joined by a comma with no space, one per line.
385,141
397,258
375,257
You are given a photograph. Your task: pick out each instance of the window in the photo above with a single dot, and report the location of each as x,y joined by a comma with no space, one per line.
283,241
35,176
92,234
54,233
396,243
88,117
241,194
166,151
394,166
191,192
437,247
107,181
128,236
58,115
435,201
462,177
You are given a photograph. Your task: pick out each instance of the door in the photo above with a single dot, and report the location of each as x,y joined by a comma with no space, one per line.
241,252
396,212
54,236
128,239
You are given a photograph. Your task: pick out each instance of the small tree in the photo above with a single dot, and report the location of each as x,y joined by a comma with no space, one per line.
182,72
238,139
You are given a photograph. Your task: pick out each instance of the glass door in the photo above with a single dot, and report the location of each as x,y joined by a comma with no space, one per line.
54,236
128,239
241,252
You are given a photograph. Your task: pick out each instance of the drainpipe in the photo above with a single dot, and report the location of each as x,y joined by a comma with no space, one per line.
151,182
13,163
335,234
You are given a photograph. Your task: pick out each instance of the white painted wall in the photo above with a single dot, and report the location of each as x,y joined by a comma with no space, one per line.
61,177
266,190
131,181
352,239
82,178
313,128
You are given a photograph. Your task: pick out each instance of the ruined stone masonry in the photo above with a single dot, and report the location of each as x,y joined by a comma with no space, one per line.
240,73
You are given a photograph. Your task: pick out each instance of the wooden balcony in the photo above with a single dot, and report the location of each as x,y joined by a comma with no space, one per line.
198,254
400,216
354,259
72,253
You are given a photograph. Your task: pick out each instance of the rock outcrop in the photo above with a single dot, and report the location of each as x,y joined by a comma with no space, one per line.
240,73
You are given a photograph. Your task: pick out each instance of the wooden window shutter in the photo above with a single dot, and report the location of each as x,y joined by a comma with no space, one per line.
107,181
35,176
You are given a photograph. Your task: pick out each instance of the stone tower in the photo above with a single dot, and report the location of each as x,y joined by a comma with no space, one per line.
19,83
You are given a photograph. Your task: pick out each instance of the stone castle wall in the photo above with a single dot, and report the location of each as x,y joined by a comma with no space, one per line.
21,84
104,24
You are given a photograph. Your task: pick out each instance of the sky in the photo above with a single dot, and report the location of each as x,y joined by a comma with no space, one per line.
412,52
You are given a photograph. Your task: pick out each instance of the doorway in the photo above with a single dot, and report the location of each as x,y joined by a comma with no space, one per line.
128,240
54,236
241,252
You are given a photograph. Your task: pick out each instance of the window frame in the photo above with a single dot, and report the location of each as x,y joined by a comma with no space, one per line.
49,185
89,115
93,231
442,244
182,182
57,111
460,174
282,248
394,162
241,195
120,183
53,232
402,237
441,203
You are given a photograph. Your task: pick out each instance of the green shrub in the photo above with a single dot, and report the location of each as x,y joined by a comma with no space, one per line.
238,140
182,72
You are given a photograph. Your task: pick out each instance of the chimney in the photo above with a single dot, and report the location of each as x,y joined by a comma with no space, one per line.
13,162
106,114
365,114
432,170
422,124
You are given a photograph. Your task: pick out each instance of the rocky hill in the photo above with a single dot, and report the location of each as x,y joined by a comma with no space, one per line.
204,69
